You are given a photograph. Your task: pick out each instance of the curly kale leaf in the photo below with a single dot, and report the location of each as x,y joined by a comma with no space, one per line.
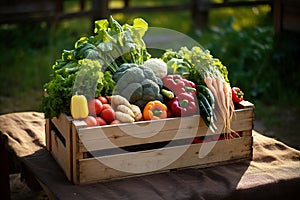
58,93
89,80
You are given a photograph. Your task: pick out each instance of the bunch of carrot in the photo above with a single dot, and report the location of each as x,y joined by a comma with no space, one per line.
224,107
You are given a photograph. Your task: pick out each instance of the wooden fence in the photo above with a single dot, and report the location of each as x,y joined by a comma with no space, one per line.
16,11
286,12
287,15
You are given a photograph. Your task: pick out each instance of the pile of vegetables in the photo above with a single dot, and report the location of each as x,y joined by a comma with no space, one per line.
95,59
110,78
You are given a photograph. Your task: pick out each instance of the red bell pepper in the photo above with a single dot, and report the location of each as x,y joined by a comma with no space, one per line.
237,95
178,85
183,105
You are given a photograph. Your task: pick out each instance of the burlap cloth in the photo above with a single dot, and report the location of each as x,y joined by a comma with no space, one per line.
274,172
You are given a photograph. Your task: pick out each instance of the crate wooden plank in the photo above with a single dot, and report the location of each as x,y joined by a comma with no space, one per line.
48,134
98,138
76,155
243,114
59,151
161,130
92,169
246,104
63,124
240,125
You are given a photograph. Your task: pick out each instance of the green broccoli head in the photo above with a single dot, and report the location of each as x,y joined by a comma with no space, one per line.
138,84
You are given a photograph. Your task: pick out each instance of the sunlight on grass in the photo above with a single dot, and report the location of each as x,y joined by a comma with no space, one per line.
243,17
116,4
71,6
160,19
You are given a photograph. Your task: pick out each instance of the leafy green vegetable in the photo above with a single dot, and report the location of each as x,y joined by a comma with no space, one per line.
179,66
88,68
118,44
195,64
58,93
88,80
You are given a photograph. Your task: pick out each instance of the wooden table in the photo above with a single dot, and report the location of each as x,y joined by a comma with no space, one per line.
274,172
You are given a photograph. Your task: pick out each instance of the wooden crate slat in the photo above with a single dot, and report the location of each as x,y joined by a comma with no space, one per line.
127,140
161,130
100,143
143,127
93,170
241,125
59,151
224,150
48,134
243,114
246,104
63,124
99,138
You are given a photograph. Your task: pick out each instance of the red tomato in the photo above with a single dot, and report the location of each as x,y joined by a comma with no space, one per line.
106,105
95,107
90,121
103,100
108,114
115,122
101,121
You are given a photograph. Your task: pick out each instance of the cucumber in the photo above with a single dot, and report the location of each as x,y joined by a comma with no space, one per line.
204,113
207,118
207,93
206,103
211,116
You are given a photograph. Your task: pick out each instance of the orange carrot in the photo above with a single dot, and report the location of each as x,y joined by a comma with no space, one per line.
230,108
218,110
222,92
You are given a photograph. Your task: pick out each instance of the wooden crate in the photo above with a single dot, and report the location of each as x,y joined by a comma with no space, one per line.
101,153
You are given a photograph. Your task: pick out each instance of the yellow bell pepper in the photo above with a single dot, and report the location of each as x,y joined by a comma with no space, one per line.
79,107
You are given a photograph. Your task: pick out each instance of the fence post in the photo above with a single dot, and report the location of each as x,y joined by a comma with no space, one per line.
100,10
200,11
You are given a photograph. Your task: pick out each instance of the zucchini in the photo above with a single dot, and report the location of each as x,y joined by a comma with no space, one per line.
206,117
207,93
206,103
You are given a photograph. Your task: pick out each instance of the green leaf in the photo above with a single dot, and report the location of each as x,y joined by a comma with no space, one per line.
101,25
81,41
68,55
141,26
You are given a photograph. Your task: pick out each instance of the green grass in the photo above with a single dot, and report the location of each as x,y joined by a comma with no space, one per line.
28,52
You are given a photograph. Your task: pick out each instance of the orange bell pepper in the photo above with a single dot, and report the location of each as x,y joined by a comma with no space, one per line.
155,110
